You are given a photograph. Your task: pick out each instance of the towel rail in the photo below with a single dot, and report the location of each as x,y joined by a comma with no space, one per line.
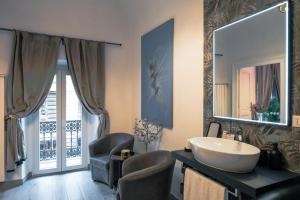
236,193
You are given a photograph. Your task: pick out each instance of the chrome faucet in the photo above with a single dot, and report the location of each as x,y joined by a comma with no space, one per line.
239,137
238,134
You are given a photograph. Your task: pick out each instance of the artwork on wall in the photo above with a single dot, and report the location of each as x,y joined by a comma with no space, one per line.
157,75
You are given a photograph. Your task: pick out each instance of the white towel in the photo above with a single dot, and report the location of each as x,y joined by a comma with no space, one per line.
199,187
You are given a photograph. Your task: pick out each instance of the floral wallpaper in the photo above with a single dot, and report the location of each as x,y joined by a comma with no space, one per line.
219,13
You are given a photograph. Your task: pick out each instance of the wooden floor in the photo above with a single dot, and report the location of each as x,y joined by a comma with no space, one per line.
69,186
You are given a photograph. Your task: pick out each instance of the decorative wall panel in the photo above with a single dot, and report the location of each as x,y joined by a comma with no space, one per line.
219,13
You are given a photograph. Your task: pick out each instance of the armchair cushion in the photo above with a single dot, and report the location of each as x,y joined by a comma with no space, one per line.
101,161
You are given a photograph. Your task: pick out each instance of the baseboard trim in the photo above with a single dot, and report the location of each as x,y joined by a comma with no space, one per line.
58,173
28,176
14,183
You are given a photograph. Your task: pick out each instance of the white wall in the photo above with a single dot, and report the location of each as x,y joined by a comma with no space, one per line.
5,58
100,20
89,19
125,21
145,15
188,61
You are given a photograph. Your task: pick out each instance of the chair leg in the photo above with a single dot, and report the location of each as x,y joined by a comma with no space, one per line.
98,174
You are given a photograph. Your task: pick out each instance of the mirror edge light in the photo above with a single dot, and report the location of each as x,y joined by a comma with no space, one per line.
288,49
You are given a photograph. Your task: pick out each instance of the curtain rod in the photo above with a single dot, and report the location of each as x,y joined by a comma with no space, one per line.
109,43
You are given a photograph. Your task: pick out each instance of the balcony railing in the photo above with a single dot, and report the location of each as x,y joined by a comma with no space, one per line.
48,136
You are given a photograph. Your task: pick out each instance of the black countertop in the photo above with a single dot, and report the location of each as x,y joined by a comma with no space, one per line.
252,184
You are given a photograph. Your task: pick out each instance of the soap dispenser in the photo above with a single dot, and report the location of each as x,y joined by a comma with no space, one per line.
275,161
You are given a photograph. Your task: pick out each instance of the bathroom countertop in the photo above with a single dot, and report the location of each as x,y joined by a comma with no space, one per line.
252,184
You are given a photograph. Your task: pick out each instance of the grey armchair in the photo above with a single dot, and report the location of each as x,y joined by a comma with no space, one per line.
147,176
101,151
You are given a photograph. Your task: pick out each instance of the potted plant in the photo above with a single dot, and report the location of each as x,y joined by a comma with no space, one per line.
146,131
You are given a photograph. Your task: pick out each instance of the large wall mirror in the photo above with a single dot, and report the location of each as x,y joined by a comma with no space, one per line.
251,66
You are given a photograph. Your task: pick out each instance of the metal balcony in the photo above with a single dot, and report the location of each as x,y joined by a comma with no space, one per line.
48,135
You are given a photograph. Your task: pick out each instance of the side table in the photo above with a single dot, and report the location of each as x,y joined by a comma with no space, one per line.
117,163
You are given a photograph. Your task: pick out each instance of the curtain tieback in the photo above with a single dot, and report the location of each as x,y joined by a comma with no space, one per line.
11,117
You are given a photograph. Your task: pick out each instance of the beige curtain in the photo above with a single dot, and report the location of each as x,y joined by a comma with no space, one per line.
87,68
28,83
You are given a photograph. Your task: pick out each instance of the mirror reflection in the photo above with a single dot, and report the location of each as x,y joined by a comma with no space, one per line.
251,67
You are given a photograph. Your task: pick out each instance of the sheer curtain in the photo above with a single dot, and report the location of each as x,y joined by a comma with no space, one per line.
28,83
87,68
222,97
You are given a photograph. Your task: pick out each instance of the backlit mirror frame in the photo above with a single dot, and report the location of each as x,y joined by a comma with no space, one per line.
287,69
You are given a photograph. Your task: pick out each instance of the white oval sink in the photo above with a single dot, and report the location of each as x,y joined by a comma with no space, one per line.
224,154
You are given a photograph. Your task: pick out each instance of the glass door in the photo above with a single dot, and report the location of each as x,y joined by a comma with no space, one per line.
49,133
61,122
72,119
